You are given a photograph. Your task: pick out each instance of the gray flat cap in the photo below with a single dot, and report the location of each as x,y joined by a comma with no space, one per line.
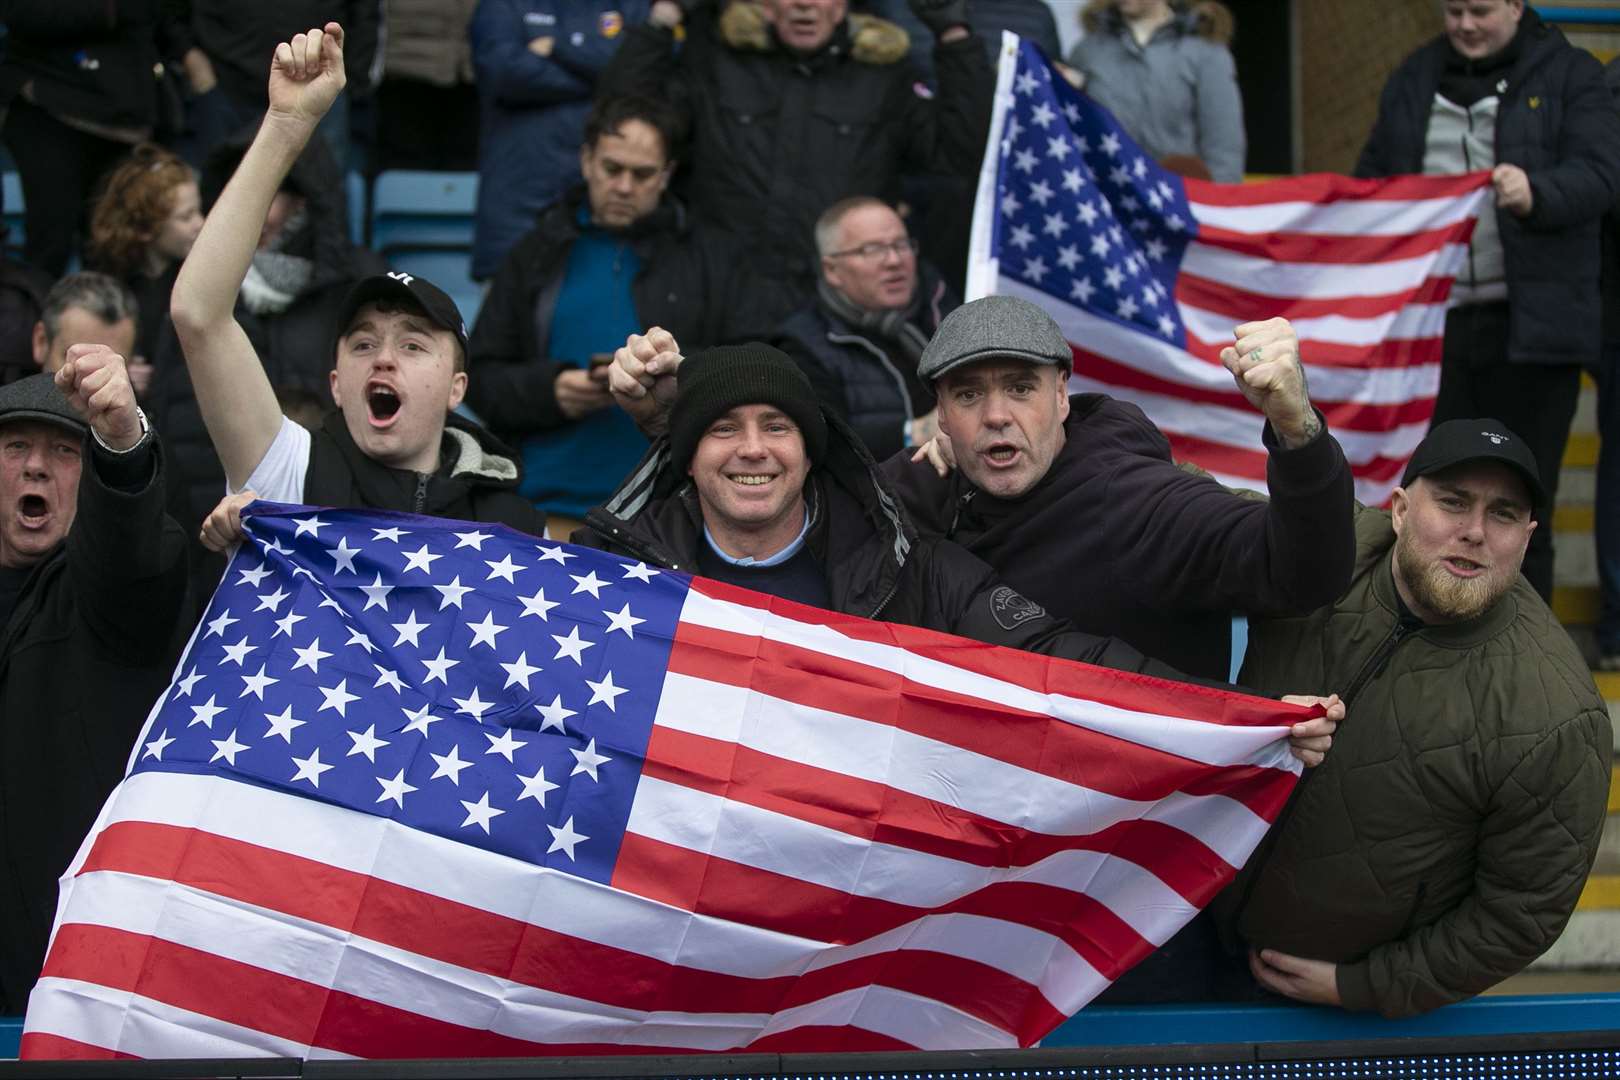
37,398
996,326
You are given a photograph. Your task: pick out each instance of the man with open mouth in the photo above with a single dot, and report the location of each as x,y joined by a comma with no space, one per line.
399,353
1444,843
92,605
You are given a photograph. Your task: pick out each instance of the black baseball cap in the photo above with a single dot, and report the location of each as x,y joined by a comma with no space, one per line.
413,291
1457,441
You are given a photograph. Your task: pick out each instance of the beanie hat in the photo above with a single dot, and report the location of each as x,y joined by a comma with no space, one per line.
713,383
37,398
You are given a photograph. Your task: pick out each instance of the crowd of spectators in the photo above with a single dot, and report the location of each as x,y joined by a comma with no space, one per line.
776,189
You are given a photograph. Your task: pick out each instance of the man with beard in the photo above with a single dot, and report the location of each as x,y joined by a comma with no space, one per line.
1444,843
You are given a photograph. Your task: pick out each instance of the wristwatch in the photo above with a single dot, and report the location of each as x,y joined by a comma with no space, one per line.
146,433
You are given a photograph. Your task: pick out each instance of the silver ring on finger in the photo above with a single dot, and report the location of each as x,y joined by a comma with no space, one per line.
1254,356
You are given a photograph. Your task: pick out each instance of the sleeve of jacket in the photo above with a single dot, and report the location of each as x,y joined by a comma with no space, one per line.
362,38
1376,156
1213,549
1536,846
1584,182
946,135
1220,116
645,63
972,602
510,391
128,559
509,72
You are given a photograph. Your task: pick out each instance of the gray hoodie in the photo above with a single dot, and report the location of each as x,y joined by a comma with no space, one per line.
1176,96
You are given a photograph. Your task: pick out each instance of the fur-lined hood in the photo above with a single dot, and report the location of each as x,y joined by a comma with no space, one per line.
743,25
1209,19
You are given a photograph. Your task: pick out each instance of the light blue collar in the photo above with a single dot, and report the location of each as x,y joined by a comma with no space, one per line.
770,560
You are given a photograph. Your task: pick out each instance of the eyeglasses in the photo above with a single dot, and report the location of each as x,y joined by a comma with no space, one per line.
898,248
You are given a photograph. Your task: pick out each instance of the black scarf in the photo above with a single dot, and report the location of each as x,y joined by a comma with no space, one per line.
897,326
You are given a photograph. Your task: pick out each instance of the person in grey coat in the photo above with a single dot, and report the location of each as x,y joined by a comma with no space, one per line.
1163,68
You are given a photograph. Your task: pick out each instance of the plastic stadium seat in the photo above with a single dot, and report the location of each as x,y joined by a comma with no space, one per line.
423,209
422,222
449,270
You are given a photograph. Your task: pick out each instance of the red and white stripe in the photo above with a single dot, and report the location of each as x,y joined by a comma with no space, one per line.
1363,270
848,835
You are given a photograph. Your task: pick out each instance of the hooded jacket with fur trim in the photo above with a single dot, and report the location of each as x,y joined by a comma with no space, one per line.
1177,95
778,137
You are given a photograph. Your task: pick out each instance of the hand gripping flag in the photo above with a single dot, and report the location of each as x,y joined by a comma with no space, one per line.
426,789
1148,273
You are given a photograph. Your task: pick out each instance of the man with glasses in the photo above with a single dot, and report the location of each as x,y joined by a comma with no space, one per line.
876,307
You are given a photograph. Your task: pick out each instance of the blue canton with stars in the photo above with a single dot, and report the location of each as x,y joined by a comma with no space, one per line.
1085,215
466,680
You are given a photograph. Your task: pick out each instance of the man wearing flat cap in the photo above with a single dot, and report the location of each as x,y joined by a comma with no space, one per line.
1445,841
92,591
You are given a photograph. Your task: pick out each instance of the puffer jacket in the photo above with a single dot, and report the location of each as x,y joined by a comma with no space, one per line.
1178,95
883,569
1442,845
777,138
1557,121
534,107
862,377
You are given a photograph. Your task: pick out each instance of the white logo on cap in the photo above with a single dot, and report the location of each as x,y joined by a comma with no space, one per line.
1496,440
401,276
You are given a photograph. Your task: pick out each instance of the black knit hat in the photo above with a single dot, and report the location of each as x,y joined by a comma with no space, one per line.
37,398
713,383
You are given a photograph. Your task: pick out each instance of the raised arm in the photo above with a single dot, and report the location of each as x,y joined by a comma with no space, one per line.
233,391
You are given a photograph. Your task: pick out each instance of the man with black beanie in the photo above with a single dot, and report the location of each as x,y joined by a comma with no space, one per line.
758,486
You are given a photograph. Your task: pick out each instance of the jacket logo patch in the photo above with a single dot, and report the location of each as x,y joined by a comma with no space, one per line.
1535,103
539,18
1012,609
610,23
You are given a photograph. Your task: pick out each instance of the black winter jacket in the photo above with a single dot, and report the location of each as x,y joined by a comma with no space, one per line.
240,38
89,647
1557,121
776,138
89,59
509,371
476,480
876,565
859,375
1121,541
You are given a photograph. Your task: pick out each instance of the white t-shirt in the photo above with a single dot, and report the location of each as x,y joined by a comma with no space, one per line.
279,475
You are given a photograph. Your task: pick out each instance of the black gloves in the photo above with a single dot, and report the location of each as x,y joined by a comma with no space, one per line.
940,15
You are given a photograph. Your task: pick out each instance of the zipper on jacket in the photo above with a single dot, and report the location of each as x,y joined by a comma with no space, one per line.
1262,853
419,503
883,603
962,501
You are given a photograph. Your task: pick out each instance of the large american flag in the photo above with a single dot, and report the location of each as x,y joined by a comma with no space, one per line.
1148,273
423,788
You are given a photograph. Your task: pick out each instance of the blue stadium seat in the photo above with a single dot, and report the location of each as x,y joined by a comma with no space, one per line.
11,191
422,222
423,209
